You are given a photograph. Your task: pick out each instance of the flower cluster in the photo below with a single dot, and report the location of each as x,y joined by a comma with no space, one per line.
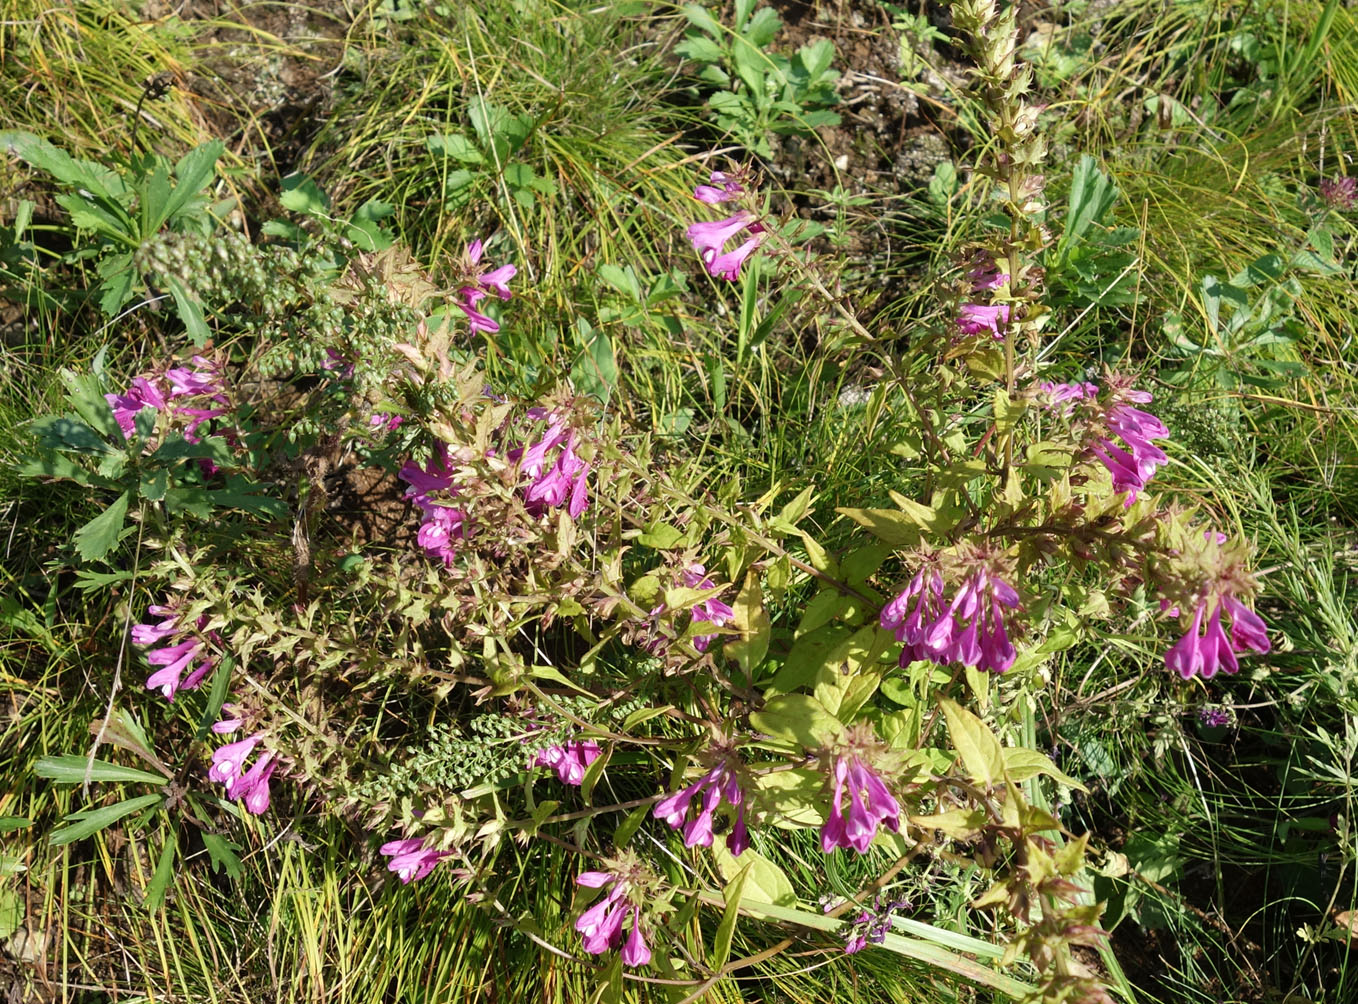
871,926
1340,193
189,395
721,783
1222,577
602,924
870,801
430,486
570,760
710,239
410,859
1216,648
556,475
1130,468
228,768
477,282
968,629
184,647
983,277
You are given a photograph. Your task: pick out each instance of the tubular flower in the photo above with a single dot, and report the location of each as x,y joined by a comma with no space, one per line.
1224,579
570,760
555,473
985,276
969,630
973,318
602,925
228,768
189,395
443,525
730,188
709,611
870,803
709,240
410,859
477,282
1131,468
186,651
870,927
719,784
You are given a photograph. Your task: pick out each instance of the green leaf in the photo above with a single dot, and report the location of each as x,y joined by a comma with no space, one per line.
223,854
91,821
888,525
66,432
764,881
595,371
176,447
10,823
160,881
1092,194
79,769
981,753
39,153
85,392
699,17
1021,763
733,893
99,536
302,195
221,682
661,536
752,620
192,174
798,719
190,312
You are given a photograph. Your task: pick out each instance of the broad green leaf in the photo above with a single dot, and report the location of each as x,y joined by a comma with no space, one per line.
302,195
190,312
97,537
72,173
888,525
848,682
66,432
764,881
1020,764
79,769
91,821
699,17
661,536
85,392
791,798
11,823
192,174
809,655
981,753
798,719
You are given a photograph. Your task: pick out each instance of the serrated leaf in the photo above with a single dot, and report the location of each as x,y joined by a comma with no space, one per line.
660,536
301,194
91,821
192,174
66,432
99,536
223,854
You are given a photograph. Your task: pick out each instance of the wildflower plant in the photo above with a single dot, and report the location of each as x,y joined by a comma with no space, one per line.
623,659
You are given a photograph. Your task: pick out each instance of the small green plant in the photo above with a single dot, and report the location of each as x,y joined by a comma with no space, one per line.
916,36
760,92
501,135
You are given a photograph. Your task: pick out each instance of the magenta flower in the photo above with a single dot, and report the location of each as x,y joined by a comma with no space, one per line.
443,526
1203,655
870,805
186,652
709,611
1130,468
985,276
973,318
729,189
142,394
410,859
719,784
556,474
477,282
709,240
603,923
189,396
969,630
871,926
228,760
1340,193
570,760
228,768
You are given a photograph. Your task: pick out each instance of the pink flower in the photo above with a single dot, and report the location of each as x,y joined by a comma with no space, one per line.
970,630
253,785
228,760
973,318
476,282
410,859
1213,650
870,804
602,924
717,785
201,384
709,240
1340,193
570,760
556,474
443,526
1130,468
709,611
185,654
730,189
